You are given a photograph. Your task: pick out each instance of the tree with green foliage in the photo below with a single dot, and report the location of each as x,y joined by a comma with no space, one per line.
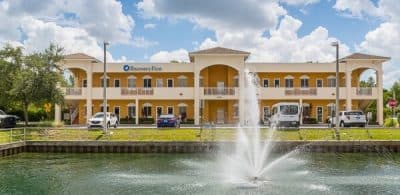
31,79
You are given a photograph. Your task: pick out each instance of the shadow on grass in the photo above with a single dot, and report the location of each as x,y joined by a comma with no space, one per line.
99,137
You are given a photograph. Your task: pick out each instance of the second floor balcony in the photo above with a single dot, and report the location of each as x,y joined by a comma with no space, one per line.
219,93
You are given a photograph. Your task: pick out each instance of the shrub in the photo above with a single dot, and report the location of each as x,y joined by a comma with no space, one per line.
188,121
310,121
127,120
146,121
391,122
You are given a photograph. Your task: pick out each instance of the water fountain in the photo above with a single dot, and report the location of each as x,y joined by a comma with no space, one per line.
249,164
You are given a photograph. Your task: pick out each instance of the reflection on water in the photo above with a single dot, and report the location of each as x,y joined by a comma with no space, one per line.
303,173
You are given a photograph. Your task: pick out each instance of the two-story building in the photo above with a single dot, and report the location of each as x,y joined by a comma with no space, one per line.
207,88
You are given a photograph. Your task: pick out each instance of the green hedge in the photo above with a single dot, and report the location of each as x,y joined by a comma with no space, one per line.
33,116
188,121
127,120
146,121
310,121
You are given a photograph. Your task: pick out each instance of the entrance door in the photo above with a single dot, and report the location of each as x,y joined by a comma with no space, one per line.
159,111
220,116
116,111
220,87
319,114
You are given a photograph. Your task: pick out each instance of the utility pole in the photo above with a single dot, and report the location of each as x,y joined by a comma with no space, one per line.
105,89
337,125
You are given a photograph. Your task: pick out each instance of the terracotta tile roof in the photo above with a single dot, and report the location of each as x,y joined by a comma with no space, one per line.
361,56
219,50
80,56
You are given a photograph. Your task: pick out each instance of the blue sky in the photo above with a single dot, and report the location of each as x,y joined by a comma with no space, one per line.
164,30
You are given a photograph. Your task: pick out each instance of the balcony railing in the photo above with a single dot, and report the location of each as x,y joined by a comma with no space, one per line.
137,91
219,91
301,91
73,91
364,91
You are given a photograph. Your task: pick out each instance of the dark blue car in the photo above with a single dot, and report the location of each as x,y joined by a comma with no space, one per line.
168,120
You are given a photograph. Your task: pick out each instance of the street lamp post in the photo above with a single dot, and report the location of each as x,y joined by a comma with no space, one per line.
105,89
336,44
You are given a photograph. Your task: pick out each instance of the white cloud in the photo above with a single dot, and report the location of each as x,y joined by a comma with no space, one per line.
356,8
78,26
40,34
103,19
283,44
299,2
141,42
221,15
149,26
385,39
180,55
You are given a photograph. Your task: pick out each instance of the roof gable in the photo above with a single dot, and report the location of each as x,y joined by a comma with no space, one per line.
219,50
361,56
79,56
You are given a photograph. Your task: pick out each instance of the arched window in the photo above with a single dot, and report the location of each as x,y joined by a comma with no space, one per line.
289,81
304,81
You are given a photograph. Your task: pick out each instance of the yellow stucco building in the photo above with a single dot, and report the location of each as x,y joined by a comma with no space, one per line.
207,88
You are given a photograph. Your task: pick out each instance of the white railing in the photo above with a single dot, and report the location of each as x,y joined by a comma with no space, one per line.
137,91
301,91
219,91
364,91
73,91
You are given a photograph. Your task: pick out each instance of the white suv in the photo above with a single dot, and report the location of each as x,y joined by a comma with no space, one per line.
349,118
98,118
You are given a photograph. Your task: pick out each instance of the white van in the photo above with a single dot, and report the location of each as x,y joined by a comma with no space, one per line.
285,114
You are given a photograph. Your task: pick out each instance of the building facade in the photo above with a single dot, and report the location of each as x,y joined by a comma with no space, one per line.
207,89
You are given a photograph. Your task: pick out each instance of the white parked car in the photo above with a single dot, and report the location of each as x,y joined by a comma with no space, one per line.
98,118
349,118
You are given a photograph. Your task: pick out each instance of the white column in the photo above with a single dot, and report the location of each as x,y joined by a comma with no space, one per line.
301,111
197,97
57,113
241,99
348,89
137,111
379,103
89,81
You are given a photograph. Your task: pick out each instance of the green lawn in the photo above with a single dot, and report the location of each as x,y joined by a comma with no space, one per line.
187,134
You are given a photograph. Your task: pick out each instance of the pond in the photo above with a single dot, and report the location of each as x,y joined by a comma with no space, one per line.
306,173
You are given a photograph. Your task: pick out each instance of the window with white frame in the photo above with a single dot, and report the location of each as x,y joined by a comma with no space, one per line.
131,82
132,111
170,110
265,83
146,110
320,83
182,81
331,81
289,81
170,82
147,82
276,83
159,83
304,81
84,83
116,83
182,109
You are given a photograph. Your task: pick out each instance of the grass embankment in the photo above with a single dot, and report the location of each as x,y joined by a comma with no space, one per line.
186,134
